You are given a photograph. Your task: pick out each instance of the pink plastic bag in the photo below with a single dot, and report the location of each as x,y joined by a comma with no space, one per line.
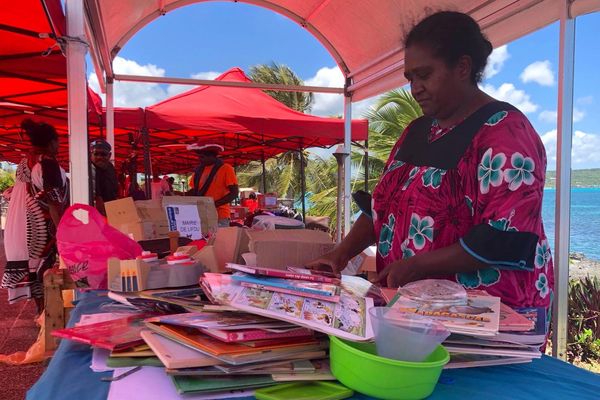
85,243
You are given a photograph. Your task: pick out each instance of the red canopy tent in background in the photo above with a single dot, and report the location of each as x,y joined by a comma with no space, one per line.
33,74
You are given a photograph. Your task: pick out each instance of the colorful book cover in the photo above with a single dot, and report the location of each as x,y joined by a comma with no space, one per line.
321,291
512,321
223,321
346,319
292,273
536,336
112,335
480,316
245,335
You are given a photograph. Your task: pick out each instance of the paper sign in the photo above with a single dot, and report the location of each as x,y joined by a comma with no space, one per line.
185,219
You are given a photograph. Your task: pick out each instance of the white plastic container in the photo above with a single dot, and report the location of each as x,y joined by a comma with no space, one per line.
405,336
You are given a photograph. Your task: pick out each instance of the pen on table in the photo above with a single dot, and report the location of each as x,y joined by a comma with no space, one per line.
123,281
135,280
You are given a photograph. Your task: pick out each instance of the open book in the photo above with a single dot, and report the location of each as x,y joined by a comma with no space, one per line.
346,319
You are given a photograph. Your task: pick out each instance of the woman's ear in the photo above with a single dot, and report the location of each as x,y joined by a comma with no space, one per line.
463,68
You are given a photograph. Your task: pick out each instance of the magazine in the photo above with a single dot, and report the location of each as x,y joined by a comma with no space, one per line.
291,273
116,334
347,319
534,337
321,291
479,317
513,321
481,360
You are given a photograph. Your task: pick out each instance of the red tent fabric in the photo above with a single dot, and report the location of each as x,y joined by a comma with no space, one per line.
33,74
245,111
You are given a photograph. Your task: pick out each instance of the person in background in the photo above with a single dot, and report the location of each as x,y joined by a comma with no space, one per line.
165,186
461,195
37,202
104,175
251,203
171,182
214,178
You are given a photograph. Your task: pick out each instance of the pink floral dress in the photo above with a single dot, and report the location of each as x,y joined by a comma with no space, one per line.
481,188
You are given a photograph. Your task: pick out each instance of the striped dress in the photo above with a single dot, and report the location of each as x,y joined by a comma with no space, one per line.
29,238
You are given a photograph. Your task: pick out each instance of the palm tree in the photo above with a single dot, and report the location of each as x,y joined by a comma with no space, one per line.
282,74
387,120
283,171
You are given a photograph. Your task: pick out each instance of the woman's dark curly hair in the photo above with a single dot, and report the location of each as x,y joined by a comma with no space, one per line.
452,35
40,134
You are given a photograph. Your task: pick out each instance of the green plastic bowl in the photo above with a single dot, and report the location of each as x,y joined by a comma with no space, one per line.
358,366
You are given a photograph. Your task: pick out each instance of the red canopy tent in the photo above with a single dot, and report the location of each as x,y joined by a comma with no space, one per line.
33,73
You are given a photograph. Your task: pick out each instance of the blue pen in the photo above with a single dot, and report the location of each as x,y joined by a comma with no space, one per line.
135,280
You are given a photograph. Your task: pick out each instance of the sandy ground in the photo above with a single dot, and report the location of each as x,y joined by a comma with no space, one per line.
18,331
581,266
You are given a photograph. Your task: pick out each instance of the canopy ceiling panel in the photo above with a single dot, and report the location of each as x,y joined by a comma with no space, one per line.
364,37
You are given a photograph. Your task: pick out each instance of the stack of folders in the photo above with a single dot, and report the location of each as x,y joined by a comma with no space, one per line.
485,332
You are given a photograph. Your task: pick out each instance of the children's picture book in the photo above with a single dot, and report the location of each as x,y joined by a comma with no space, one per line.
318,290
291,273
222,321
480,316
175,355
247,335
513,321
480,360
116,334
346,319
534,337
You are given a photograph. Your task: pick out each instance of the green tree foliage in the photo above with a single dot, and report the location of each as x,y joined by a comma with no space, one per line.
7,179
282,74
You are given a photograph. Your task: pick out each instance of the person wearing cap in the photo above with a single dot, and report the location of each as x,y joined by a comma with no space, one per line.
104,176
214,178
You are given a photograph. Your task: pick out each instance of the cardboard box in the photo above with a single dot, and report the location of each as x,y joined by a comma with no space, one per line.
229,244
288,248
191,216
238,212
267,200
142,220
365,262
207,257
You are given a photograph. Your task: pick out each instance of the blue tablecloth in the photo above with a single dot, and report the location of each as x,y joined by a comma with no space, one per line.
69,376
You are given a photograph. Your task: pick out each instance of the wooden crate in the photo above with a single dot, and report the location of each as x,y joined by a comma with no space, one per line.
56,314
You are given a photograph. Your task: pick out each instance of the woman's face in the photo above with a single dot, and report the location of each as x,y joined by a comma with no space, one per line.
437,87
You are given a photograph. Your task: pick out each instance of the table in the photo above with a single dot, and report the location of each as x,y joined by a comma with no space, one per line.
69,377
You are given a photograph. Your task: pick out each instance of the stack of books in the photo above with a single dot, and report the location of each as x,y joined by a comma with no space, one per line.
484,332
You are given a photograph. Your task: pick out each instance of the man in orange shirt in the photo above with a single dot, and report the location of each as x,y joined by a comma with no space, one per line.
213,178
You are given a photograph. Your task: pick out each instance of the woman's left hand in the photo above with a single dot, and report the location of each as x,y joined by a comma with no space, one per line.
400,273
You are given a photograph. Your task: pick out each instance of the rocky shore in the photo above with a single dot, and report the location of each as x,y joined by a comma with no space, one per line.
581,266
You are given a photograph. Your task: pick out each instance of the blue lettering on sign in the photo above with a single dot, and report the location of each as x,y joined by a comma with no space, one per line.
171,218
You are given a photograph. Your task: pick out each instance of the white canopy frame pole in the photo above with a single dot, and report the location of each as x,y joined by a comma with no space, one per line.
77,102
347,160
110,118
562,232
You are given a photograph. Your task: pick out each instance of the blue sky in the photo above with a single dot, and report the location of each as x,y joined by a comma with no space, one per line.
203,40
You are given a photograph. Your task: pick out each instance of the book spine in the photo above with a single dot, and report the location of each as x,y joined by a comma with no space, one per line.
292,275
255,334
294,292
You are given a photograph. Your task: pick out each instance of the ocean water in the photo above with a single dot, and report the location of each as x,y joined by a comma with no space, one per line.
585,220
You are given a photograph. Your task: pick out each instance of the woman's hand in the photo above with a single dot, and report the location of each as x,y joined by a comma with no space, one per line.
336,260
400,272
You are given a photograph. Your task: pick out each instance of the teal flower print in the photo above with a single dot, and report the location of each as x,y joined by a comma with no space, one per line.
469,202
502,224
433,177
394,165
420,230
489,171
411,177
386,236
496,118
542,255
542,285
485,277
406,251
522,171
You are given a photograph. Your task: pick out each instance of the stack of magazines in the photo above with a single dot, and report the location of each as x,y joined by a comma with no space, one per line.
484,331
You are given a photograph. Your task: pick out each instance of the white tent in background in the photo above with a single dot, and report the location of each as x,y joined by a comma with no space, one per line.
364,37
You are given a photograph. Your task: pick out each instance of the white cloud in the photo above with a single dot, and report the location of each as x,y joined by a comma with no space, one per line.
586,100
507,92
551,117
585,152
539,72
496,61
548,116
173,90
133,94
329,104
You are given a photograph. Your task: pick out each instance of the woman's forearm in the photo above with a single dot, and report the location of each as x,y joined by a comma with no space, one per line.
359,238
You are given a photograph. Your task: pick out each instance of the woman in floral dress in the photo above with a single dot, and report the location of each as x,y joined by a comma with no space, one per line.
461,195
37,202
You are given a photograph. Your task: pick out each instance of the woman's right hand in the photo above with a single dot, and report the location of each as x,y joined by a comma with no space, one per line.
336,260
